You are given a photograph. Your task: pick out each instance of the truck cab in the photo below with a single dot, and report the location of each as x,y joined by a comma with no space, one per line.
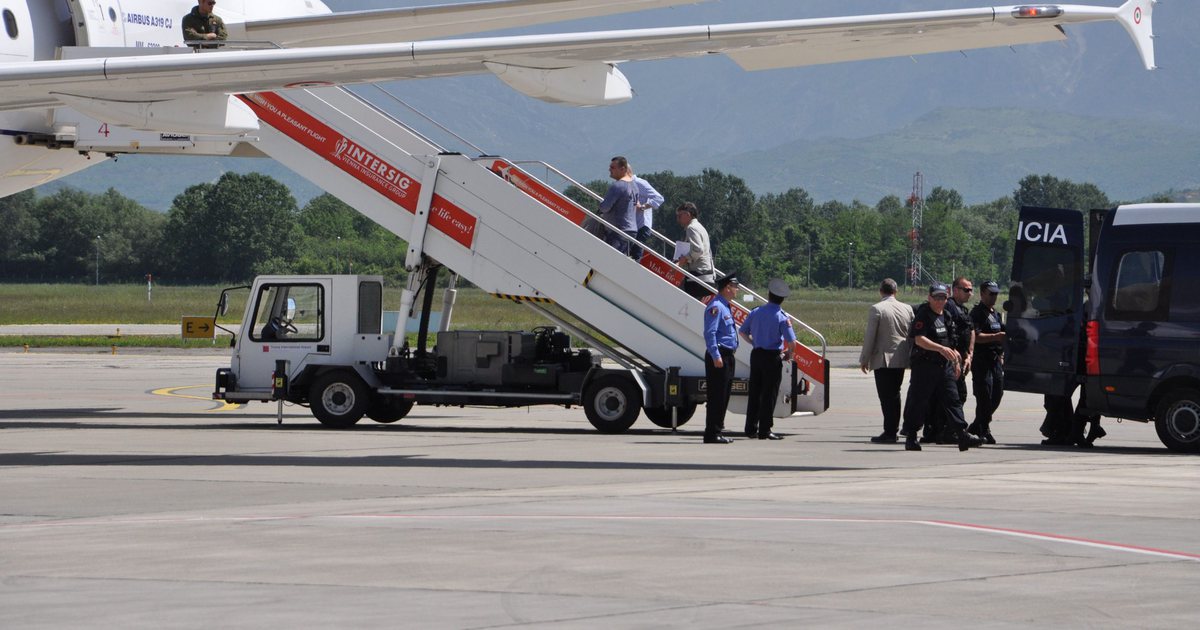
1128,331
294,319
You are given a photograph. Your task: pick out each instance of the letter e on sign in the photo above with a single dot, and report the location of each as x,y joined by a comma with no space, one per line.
198,327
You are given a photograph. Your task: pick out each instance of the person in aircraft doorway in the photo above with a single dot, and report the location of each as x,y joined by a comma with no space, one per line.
204,25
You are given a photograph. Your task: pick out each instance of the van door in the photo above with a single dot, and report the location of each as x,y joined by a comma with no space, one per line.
1045,302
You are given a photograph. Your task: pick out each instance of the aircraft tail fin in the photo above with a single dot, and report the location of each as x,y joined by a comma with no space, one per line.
1135,16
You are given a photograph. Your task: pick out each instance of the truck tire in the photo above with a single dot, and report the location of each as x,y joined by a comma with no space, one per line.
1177,420
338,399
389,410
612,403
661,416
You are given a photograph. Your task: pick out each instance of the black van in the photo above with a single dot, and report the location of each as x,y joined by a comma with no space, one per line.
1127,328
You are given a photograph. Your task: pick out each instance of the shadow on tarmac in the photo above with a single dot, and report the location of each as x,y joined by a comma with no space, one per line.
102,418
378,461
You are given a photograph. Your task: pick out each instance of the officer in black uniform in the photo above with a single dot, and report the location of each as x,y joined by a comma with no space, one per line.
987,371
963,340
935,367
720,340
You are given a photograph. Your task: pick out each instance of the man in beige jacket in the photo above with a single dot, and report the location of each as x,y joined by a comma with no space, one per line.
885,350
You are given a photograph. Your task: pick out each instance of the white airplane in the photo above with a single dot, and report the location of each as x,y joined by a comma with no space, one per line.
82,80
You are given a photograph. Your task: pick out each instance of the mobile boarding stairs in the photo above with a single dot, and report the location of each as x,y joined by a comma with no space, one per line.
493,223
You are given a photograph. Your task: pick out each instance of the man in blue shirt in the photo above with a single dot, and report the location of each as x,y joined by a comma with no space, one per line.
720,340
619,204
770,330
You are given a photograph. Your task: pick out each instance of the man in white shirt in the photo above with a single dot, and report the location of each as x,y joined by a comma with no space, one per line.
648,201
698,260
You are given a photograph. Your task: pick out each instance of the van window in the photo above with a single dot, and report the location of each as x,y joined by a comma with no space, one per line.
288,312
1139,286
1047,286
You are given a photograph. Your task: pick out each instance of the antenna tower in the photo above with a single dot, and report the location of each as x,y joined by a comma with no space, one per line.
916,201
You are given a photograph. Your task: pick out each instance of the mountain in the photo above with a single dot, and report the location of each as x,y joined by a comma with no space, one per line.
981,153
690,113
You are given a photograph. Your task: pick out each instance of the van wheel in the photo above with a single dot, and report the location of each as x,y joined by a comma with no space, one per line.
338,399
612,403
661,416
389,410
1178,420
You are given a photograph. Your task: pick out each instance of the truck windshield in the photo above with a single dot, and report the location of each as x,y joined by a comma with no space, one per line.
1046,284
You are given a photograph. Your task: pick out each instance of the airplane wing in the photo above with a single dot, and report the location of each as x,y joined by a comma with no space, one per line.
417,23
574,68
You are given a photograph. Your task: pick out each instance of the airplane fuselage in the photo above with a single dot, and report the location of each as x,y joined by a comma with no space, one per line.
40,145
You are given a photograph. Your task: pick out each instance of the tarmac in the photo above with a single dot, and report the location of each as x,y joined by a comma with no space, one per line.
131,499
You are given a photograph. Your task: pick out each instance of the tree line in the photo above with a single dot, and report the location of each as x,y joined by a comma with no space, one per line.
245,225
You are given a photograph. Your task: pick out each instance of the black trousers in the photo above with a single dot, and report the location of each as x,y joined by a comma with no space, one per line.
695,289
987,382
931,388
766,371
935,426
719,382
888,382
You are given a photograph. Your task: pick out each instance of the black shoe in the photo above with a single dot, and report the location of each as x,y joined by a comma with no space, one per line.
927,439
720,439
903,432
1055,441
751,435
966,441
974,428
911,445
884,438
987,438
1096,433
770,436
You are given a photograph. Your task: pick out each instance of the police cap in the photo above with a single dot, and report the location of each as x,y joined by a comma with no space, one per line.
729,278
778,287
938,288
991,287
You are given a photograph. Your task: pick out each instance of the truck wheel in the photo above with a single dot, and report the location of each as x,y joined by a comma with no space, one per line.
612,403
661,416
338,399
1178,421
389,410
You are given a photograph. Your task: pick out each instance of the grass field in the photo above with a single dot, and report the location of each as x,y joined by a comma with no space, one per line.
840,315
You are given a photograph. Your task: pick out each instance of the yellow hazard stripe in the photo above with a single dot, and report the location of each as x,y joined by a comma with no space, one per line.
172,392
588,279
523,298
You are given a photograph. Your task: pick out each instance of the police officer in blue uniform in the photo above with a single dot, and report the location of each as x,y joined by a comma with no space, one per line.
720,340
769,329
935,367
987,371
